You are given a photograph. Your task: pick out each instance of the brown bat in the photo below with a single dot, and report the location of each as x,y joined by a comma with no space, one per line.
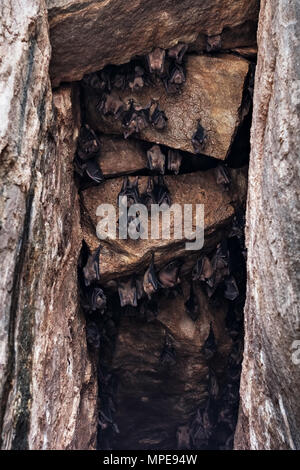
134,119
139,287
150,283
177,52
92,335
127,292
161,193
213,43
136,82
120,81
156,61
113,106
222,176
175,80
88,143
94,171
168,276
131,191
94,299
93,81
174,160
203,270
199,139
183,438
157,118
156,159
91,270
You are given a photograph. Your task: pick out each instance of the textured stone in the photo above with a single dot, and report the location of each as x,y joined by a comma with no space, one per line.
120,257
87,35
212,93
153,400
270,412
46,376
119,156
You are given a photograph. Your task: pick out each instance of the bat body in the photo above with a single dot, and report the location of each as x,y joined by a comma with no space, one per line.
222,176
147,197
93,81
231,289
156,159
174,160
156,61
177,52
94,171
88,143
150,284
157,117
213,43
183,438
168,276
198,139
161,193
91,270
127,292
203,270
94,299
92,335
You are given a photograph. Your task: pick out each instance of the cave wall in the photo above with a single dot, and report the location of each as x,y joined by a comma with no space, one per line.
269,411
45,376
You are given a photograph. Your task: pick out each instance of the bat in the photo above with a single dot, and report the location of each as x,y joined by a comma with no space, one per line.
222,176
213,43
148,198
198,434
231,289
156,159
168,354
150,283
92,80
91,270
177,52
202,270
192,306
136,82
92,335
134,119
127,292
174,160
168,275
112,106
157,117
94,299
183,438
119,81
88,143
131,191
209,348
94,171
199,139
156,61
175,79
160,191
139,287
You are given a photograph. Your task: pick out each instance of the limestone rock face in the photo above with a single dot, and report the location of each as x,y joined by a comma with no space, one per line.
121,157
269,411
45,373
87,35
212,94
162,397
120,257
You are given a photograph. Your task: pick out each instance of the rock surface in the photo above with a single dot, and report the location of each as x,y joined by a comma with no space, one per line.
153,399
269,412
121,157
212,93
46,377
87,35
119,257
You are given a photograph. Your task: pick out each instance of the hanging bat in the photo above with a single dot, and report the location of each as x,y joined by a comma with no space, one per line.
156,159
168,275
92,335
119,81
202,270
131,191
177,52
168,354
198,434
183,438
92,80
94,299
157,118
174,160
136,82
112,106
105,80
148,198
222,176
199,139
231,289
134,119
139,287
91,270
175,79
213,43
88,143
210,348
150,283
94,171
192,306
127,292
161,192
156,61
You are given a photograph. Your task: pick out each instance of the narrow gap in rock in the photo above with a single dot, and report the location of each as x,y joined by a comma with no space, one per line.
164,325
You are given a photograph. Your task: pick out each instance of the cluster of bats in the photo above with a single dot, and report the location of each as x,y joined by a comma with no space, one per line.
166,65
